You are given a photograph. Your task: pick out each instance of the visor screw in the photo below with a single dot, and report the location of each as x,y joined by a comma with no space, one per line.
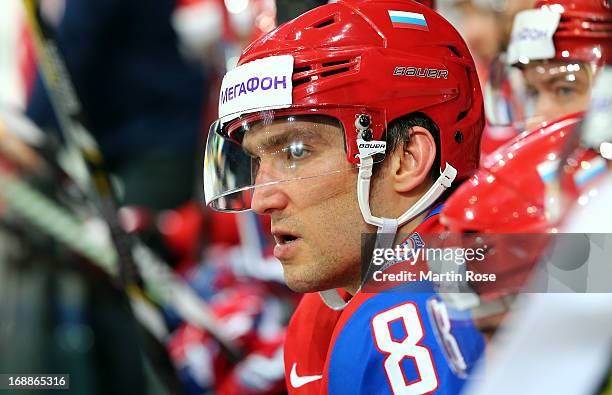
363,122
458,137
367,135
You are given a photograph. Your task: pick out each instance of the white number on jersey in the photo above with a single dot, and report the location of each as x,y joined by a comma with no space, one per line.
409,347
451,347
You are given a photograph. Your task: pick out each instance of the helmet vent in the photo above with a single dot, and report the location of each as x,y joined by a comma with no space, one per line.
337,67
335,71
455,51
462,115
325,22
337,62
301,81
302,69
304,74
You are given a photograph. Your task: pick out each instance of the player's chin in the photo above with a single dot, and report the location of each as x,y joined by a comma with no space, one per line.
298,280
301,287
298,284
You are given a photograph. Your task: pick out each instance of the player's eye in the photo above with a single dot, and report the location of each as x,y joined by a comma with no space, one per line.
296,151
564,91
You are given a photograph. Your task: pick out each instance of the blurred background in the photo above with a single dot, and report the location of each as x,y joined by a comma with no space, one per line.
200,307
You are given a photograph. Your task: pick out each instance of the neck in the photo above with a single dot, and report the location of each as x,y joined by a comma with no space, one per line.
402,233
405,230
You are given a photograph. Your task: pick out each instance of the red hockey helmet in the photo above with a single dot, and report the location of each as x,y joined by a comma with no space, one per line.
560,45
503,210
353,66
513,204
584,32
507,193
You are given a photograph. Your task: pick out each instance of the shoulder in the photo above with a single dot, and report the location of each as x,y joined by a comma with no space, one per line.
312,313
307,341
385,344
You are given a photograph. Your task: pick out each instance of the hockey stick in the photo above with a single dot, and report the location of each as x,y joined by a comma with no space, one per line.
70,117
158,277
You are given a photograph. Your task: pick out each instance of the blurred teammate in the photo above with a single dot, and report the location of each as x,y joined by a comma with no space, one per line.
562,340
560,46
503,209
377,96
519,196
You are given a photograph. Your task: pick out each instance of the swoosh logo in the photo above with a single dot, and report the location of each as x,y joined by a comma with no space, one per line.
298,381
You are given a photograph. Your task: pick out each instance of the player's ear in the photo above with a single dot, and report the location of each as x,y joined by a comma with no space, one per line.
411,162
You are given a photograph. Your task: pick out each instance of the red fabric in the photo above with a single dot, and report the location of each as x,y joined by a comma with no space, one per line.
27,63
308,337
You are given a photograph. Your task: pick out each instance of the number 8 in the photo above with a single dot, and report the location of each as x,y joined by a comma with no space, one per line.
409,347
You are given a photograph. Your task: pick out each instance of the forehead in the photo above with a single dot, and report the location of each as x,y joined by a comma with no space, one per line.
314,130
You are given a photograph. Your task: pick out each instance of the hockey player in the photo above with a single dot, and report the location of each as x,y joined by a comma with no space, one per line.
376,96
559,46
517,198
557,49
503,209
520,202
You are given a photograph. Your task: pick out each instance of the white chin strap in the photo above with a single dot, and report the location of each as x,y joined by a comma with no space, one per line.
387,227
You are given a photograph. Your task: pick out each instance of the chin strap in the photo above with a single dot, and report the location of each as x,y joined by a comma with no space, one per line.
387,227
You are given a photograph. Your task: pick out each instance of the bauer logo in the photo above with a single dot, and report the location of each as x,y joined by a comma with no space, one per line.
369,148
422,72
262,84
371,145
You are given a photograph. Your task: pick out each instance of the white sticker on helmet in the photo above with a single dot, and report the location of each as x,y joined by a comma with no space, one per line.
262,84
532,36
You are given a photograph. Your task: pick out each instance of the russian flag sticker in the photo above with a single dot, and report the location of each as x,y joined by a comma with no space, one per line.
408,20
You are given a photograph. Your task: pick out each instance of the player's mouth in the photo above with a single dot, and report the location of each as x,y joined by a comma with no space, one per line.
286,243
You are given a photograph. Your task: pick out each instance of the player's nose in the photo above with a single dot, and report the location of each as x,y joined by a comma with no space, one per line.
545,110
268,199
268,195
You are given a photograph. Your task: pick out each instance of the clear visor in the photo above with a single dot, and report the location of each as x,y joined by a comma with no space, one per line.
528,95
596,131
267,148
586,158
